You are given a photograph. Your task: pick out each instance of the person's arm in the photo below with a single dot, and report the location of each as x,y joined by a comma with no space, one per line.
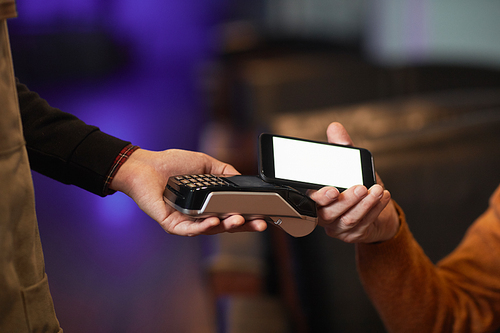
64,148
459,294
411,294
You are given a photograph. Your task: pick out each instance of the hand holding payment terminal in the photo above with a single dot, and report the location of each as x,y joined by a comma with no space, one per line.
249,196
286,164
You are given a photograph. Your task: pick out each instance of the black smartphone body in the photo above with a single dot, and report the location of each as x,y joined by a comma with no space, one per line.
310,164
216,195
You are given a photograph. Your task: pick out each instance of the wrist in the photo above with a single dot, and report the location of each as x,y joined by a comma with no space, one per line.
393,220
115,171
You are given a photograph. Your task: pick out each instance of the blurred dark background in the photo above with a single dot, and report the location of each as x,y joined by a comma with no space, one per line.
416,82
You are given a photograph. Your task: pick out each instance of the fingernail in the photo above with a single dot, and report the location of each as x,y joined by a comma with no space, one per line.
332,193
377,191
360,191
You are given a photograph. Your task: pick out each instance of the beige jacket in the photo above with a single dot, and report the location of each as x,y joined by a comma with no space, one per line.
25,301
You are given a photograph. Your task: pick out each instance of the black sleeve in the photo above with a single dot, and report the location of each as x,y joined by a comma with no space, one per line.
63,147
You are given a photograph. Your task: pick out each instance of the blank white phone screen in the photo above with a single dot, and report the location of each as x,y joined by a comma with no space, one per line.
317,163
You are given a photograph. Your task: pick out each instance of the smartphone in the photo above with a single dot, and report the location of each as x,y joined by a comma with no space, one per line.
312,164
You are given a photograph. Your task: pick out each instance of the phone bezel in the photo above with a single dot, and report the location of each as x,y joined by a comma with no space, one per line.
266,163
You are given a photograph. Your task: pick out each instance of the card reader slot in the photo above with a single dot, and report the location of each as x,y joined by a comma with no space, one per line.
177,193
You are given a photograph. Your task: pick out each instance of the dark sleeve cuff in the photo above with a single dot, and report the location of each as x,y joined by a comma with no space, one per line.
91,163
119,160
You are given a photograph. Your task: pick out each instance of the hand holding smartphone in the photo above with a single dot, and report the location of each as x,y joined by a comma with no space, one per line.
312,164
286,165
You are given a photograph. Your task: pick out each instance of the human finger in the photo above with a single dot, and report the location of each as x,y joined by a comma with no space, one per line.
356,213
366,229
337,133
233,224
325,195
345,201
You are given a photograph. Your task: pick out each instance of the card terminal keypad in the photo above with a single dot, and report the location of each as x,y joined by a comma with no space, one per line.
200,182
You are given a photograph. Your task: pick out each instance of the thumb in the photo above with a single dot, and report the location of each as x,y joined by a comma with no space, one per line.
336,133
220,168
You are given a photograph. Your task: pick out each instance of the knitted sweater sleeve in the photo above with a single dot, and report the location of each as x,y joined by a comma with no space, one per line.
459,294
63,147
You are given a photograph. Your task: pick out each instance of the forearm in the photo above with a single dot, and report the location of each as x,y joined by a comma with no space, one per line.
412,294
63,147
402,284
